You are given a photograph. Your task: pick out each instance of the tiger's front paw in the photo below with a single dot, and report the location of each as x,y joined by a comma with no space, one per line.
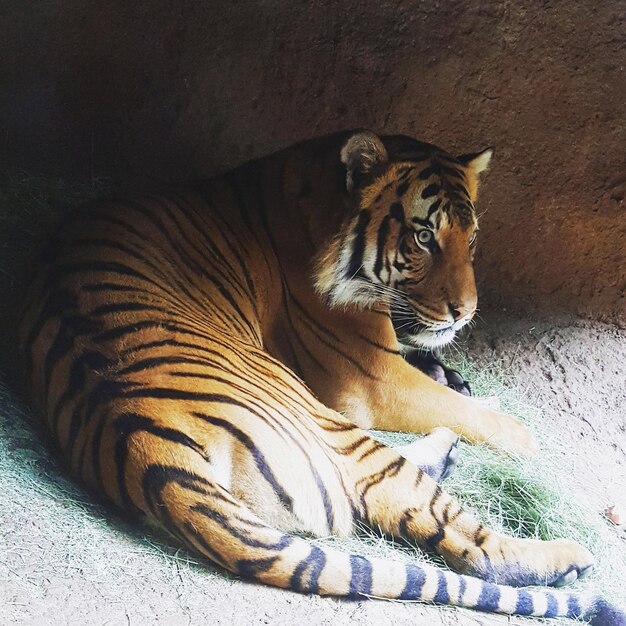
428,363
505,432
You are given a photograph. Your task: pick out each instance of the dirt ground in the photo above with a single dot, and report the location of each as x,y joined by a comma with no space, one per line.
104,572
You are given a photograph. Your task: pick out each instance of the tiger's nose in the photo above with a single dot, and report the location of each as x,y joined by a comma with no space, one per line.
459,311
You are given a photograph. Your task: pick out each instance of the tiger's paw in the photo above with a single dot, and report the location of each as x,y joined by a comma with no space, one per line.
526,562
436,454
573,562
428,363
503,432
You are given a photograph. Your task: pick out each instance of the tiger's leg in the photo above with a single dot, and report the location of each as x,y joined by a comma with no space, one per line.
220,477
179,488
367,379
398,397
436,454
225,467
406,502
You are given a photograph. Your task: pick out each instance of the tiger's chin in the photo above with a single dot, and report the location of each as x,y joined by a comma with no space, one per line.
426,338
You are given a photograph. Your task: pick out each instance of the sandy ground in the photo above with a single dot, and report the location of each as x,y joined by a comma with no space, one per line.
105,572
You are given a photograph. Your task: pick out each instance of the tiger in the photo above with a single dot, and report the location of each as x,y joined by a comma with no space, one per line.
211,359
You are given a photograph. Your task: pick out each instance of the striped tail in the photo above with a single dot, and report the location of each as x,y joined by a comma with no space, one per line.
209,520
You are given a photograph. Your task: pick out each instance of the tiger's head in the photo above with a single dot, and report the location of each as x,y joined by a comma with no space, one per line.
410,239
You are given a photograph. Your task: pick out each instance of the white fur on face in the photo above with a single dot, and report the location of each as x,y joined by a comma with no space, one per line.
352,290
438,337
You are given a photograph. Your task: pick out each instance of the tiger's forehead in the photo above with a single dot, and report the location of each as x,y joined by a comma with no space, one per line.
433,191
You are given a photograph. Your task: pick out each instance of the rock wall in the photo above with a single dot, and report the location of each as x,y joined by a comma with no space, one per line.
172,89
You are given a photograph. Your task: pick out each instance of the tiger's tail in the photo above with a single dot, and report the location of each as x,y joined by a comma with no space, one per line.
208,519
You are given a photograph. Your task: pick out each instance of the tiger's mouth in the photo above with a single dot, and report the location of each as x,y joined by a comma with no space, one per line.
423,334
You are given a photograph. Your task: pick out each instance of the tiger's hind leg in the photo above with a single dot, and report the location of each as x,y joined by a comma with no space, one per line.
435,454
406,502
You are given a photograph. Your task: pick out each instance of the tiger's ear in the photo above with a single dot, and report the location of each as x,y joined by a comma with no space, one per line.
477,162
361,154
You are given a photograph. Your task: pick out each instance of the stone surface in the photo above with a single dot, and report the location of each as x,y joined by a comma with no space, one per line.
161,89
157,90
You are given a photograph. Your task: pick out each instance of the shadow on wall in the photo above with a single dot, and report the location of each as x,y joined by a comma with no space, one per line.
164,90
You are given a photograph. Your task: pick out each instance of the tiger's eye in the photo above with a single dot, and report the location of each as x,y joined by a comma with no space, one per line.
424,236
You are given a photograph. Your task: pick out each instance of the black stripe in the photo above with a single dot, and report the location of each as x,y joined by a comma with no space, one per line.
161,475
422,222
214,215
240,181
489,598
96,437
390,470
336,426
201,270
396,212
189,262
427,172
120,331
287,300
351,447
313,329
525,604
257,455
189,530
376,445
360,577
251,568
358,245
553,606
90,267
107,286
415,579
60,347
242,535
55,305
156,361
434,206
403,187
435,539
573,606
442,596
324,329
377,345
219,264
327,502
315,562
126,425
156,477
154,480
450,171
431,190
381,241
462,587
87,362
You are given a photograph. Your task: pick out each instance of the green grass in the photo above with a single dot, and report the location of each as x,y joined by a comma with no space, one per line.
524,498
